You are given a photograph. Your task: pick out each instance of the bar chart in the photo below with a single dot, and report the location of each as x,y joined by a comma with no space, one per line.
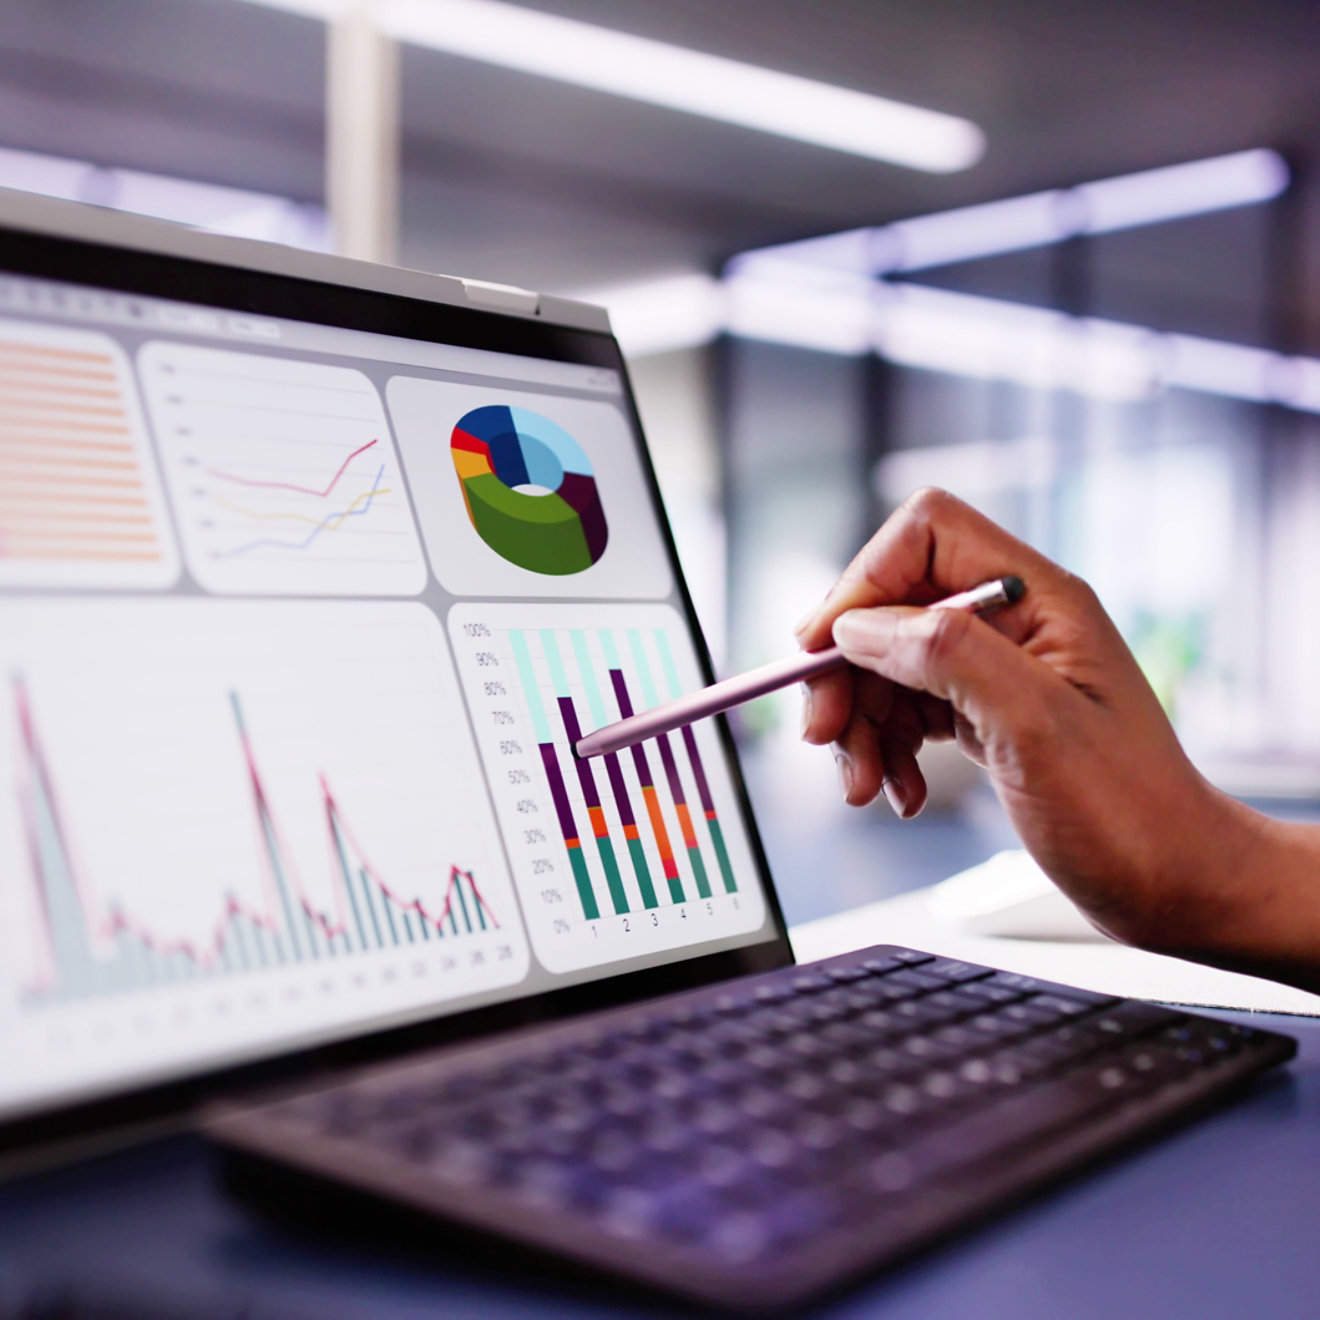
80,500
630,852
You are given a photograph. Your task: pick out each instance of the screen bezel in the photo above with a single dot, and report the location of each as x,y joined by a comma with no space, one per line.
236,288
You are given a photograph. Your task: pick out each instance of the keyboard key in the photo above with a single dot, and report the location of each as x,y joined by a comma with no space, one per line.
954,971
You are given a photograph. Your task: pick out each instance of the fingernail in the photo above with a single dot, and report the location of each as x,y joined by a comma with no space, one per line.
806,709
844,764
863,630
810,616
894,796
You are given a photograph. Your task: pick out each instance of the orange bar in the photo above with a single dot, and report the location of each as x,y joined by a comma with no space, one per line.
685,821
58,405
45,350
9,380
65,373
118,501
598,826
12,514
573,843
60,534
630,832
8,437
100,428
669,866
59,460
73,480
6,552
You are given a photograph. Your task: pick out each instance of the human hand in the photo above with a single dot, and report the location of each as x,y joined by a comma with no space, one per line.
1044,694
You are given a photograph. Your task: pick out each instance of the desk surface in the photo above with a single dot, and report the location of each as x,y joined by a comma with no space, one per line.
1221,1219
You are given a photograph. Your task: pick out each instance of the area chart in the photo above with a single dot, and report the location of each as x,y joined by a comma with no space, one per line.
247,821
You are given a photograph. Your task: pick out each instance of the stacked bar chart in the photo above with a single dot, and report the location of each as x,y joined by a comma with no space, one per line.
631,850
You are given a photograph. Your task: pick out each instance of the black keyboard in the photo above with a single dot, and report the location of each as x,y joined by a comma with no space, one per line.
752,1143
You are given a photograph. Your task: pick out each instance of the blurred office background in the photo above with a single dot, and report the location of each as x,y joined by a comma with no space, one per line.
1118,359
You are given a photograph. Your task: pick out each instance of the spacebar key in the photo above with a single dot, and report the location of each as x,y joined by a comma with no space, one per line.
1043,1109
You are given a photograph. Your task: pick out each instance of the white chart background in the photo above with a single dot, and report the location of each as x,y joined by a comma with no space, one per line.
283,474
156,798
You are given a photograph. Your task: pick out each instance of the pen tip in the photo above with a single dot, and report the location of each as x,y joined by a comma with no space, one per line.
1014,589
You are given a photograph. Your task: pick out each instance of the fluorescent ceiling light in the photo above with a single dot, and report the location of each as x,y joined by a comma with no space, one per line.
1178,191
607,60
961,334
661,74
1244,178
657,316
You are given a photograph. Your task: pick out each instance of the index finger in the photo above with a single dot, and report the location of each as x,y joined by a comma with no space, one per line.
931,547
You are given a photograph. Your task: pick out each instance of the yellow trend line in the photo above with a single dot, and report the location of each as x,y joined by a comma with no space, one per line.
332,525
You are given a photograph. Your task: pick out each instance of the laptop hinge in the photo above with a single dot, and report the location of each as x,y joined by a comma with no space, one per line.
503,297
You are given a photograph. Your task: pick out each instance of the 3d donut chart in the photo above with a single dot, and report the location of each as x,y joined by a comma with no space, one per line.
530,492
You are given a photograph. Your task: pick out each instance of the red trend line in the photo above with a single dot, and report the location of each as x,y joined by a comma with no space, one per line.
288,485
207,953
408,905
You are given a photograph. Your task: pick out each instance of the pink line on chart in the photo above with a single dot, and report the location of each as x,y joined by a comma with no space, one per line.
288,485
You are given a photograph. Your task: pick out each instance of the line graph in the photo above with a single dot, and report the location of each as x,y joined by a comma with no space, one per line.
332,522
177,829
637,851
289,485
284,474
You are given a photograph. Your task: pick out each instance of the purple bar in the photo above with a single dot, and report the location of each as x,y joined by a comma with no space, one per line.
671,770
626,710
698,771
558,792
574,731
633,729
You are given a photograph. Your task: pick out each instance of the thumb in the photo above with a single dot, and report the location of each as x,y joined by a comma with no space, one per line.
953,655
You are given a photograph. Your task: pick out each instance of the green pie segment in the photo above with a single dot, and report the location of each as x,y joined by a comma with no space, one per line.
529,489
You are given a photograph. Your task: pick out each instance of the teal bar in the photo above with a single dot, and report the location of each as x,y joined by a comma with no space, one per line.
556,666
649,694
522,658
667,660
594,700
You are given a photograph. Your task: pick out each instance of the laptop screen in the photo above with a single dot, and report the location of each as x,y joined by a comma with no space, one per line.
298,623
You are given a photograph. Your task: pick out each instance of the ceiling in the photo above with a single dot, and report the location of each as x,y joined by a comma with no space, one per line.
519,179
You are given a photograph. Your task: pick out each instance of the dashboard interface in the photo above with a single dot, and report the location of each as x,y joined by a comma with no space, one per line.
298,624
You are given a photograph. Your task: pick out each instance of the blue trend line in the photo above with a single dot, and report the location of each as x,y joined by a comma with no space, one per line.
342,516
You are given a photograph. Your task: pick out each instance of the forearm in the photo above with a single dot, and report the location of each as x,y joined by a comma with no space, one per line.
1243,894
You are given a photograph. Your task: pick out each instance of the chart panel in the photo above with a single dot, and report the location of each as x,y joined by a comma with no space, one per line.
249,821
623,854
528,495
283,473
80,500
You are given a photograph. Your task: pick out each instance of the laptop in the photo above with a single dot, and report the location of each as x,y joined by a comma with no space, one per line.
311,574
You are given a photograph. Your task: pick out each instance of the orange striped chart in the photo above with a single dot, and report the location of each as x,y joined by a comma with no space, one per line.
624,854
283,474
80,501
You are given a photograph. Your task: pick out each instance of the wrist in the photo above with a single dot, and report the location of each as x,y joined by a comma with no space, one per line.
1245,894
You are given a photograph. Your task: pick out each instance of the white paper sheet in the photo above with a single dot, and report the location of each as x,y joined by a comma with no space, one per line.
1102,966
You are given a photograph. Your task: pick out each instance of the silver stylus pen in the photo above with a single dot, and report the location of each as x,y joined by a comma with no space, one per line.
768,678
